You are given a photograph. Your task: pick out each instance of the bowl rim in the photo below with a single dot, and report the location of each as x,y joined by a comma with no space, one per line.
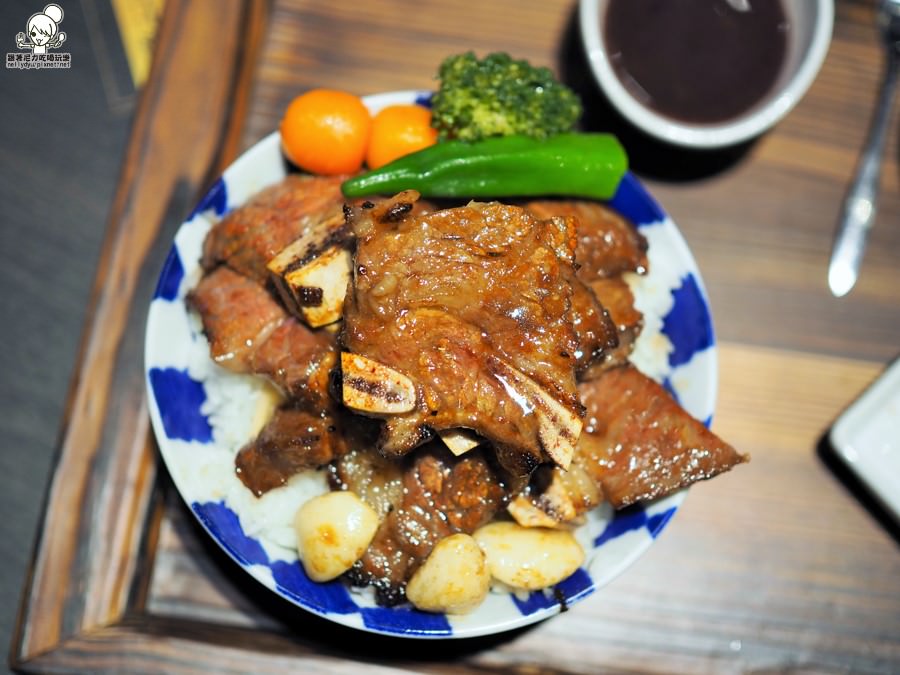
699,136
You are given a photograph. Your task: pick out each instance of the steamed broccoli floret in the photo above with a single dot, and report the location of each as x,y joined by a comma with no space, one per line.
499,96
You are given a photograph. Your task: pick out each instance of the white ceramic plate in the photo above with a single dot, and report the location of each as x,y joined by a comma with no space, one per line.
866,437
191,400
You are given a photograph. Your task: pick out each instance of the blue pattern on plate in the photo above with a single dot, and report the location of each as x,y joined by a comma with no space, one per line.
179,398
224,523
170,277
216,199
631,518
658,521
332,596
633,202
575,587
688,324
403,620
535,601
425,99
291,579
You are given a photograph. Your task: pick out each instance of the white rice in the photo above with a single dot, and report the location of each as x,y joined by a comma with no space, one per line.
653,298
236,406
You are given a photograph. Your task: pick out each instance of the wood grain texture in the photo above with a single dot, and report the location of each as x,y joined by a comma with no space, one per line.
97,513
781,566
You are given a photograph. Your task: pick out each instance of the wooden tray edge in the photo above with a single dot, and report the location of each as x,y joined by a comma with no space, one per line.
73,591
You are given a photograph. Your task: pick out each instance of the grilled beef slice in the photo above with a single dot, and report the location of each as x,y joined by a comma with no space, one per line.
248,237
639,444
595,331
463,301
249,332
238,316
292,441
615,296
608,244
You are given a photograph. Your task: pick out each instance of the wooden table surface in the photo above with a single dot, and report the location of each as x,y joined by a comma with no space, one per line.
783,565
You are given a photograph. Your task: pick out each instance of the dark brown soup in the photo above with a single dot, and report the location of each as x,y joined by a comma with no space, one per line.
697,61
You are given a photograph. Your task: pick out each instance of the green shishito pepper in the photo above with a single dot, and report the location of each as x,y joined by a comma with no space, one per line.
568,164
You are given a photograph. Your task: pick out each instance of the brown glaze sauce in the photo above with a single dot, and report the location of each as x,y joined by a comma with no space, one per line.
697,61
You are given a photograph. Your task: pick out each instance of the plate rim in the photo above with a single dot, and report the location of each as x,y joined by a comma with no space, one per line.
710,386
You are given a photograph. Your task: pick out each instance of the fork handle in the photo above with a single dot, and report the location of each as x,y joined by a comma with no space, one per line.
858,210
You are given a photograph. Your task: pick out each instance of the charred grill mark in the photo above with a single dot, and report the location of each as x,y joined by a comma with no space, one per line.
338,236
397,212
559,424
298,262
374,389
499,368
309,296
548,506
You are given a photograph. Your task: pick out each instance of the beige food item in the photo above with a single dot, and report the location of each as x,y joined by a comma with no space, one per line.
459,441
317,289
333,531
527,514
311,274
529,558
565,497
372,387
453,579
270,398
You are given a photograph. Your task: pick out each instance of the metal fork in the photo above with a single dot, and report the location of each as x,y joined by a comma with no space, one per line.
859,207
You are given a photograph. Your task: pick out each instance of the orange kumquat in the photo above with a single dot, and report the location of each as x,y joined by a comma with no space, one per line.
326,132
399,130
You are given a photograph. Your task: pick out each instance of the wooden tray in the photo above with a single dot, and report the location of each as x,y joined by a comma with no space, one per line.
775,567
